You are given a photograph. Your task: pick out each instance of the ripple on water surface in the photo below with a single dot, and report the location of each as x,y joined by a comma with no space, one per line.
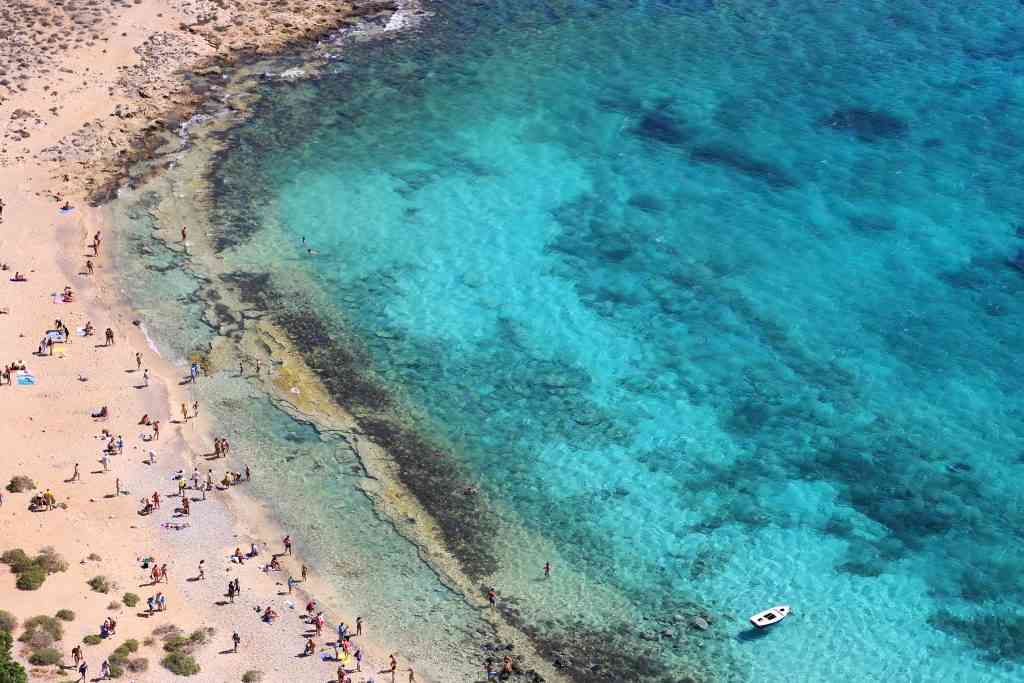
715,303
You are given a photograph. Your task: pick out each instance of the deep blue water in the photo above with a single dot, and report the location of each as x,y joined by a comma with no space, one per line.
714,301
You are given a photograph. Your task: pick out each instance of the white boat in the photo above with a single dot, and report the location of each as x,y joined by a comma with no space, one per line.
770,616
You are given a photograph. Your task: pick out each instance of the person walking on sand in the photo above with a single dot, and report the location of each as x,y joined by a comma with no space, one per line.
76,654
156,499
184,412
287,545
163,573
145,377
156,427
359,660
492,598
117,487
83,671
304,573
235,639
412,675
75,476
248,477
89,267
392,666
202,571
184,233
195,408
105,670
138,361
359,626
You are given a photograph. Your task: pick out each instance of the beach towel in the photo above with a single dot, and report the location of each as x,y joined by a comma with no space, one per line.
25,378
56,336
81,332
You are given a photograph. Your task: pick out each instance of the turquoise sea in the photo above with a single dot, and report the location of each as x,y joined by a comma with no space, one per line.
717,304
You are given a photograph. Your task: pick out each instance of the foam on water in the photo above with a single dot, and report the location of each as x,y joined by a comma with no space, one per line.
713,301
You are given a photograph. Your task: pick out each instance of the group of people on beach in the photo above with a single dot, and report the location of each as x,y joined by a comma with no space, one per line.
341,650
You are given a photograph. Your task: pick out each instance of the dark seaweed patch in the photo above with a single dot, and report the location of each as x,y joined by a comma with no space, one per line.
646,202
252,288
870,224
587,654
999,637
437,482
340,367
729,157
658,126
867,124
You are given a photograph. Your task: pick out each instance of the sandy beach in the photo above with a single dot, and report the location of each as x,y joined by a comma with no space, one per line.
82,86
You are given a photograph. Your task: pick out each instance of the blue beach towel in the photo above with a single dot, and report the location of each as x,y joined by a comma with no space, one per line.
25,378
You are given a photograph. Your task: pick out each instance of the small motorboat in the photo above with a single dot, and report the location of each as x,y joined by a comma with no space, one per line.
770,616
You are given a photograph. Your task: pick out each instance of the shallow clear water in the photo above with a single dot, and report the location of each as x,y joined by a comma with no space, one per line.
714,301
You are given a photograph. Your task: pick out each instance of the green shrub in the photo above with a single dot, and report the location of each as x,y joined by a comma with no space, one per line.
252,676
31,579
45,656
10,671
65,615
130,599
138,664
176,644
50,560
180,664
116,670
130,646
16,559
100,584
92,639
8,622
188,644
45,624
20,483
201,636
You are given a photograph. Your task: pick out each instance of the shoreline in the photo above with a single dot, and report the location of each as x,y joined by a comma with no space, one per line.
84,382
233,338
